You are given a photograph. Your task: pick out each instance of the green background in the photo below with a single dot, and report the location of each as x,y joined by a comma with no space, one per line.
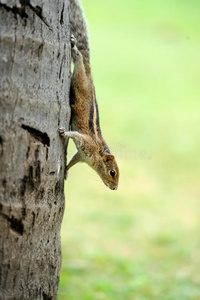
143,240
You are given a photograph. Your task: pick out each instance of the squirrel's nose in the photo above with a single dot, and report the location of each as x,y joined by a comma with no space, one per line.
113,188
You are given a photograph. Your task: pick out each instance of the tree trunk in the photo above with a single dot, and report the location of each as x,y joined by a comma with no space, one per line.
34,89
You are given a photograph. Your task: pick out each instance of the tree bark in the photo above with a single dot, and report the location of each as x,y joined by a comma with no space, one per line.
34,89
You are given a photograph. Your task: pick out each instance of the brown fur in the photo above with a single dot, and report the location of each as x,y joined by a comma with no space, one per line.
86,132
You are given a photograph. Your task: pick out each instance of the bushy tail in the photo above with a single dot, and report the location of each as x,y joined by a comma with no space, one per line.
78,28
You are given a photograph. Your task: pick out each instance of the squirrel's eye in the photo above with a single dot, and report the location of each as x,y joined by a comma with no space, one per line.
112,173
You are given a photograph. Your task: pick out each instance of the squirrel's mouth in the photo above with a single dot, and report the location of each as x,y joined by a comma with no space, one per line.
115,188
111,186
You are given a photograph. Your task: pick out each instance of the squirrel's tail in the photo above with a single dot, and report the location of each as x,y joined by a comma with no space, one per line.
78,28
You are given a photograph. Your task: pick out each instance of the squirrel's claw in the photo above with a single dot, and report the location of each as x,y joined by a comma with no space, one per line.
73,40
61,130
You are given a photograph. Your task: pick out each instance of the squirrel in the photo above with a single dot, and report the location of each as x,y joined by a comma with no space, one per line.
85,127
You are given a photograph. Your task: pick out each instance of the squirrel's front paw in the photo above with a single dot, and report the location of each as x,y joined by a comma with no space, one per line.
61,130
73,40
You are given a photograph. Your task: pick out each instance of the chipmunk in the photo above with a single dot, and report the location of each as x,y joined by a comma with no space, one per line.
85,128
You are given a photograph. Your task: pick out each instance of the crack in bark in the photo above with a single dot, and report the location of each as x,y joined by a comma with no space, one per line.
20,10
46,297
1,146
61,15
61,65
15,10
38,10
15,224
42,137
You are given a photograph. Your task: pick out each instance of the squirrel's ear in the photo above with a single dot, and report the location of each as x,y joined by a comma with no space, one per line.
108,157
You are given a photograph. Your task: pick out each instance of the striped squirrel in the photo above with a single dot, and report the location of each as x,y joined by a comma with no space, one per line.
85,128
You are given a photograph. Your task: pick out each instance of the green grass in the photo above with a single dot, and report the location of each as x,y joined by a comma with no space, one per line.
140,242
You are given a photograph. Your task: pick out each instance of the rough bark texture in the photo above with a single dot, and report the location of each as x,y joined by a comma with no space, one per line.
34,89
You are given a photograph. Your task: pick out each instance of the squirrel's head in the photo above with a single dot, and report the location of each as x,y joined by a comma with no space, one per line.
108,171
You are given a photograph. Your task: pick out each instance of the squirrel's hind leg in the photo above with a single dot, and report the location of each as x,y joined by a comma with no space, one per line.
80,61
75,52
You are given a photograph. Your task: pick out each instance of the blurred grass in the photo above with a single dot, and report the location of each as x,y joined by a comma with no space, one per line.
142,241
